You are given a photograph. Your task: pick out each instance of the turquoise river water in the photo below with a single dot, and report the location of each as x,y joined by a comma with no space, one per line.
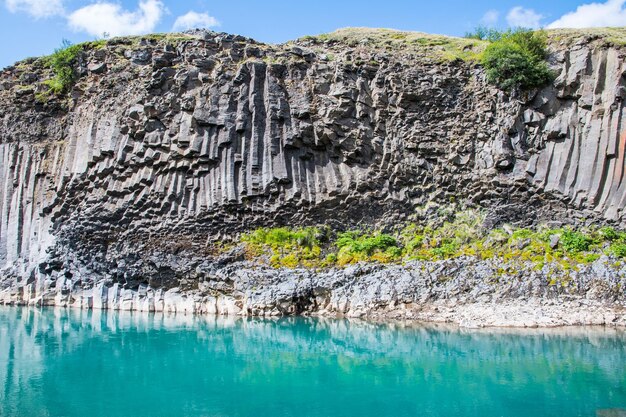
87,363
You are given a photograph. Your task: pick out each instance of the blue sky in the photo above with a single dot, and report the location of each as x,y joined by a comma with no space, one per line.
36,27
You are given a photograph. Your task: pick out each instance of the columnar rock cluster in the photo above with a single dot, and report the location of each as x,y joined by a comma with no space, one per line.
167,143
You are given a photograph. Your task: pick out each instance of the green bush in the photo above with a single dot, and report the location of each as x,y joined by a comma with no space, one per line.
608,233
618,249
521,234
286,247
283,237
534,42
574,242
63,62
365,244
446,250
331,258
414,243
517,60
394,251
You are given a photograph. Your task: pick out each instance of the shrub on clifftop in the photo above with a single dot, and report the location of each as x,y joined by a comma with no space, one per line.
516,60
63,62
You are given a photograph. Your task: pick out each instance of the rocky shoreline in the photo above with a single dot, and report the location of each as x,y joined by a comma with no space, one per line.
464,291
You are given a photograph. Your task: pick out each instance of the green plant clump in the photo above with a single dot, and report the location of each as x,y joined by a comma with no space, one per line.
283,237
63,62
516,60
609,234
361,243
574,242
618,249
355,246
462,235
287,247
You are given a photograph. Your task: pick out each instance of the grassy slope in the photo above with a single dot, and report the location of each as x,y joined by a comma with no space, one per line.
418,43
391,40
449,47
565,37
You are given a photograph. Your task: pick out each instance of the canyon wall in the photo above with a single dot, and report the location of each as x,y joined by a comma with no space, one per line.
167,143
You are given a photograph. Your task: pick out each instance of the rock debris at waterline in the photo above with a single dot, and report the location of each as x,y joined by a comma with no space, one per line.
459,291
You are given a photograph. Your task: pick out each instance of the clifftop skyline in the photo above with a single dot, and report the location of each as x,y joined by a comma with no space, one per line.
41,25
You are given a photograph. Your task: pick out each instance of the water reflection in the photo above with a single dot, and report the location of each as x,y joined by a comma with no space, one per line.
75,362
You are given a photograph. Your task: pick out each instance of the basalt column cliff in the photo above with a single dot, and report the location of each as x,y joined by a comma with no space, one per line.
168,143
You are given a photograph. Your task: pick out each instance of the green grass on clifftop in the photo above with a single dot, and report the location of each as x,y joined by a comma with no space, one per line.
422,44
448,48
63,61
615,36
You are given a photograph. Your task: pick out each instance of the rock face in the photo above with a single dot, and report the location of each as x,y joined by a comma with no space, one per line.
168,143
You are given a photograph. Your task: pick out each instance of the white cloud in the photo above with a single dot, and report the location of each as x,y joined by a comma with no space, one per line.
525,18
193,20
490,18
99,18
36,8
611,13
